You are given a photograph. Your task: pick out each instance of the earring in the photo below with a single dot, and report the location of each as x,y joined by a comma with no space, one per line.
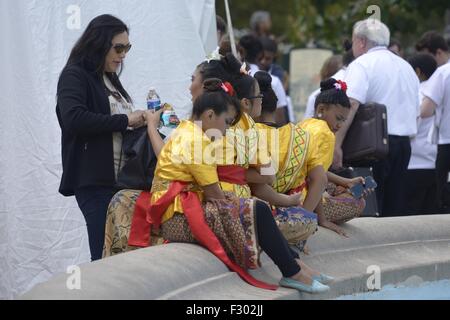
319,116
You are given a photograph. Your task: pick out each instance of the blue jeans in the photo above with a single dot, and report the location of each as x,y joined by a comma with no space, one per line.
94,202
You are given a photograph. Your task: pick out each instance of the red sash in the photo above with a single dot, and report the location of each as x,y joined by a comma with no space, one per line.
193,211
140,227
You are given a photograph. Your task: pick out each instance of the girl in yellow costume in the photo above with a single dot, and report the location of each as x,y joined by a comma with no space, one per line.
331,109
295,158
126,203
188,205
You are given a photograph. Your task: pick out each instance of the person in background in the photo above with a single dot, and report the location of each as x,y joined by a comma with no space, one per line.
327,72
268,63
378,75
332,68
421,180
251,51
433,43
93,110
261,24
396,47
269,57
437,103
221,29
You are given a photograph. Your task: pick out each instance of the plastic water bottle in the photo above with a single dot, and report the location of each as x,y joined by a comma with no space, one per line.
153,100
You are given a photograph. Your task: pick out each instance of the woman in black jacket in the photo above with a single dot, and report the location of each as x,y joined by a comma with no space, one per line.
93,110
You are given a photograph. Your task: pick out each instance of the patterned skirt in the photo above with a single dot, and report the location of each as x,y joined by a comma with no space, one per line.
296,224
118,223
231,220
341,206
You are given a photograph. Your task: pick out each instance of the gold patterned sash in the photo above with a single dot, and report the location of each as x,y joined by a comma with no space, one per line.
298,147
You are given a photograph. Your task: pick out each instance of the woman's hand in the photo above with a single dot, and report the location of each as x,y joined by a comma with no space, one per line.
135,119
331,226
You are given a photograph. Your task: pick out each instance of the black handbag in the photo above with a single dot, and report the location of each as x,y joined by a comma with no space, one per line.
367,139
139,169
371,208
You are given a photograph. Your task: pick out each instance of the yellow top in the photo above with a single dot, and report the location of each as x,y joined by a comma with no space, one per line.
240,147
324,138
181,159
297,154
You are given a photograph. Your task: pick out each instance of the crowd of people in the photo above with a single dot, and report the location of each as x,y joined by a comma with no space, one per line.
240,176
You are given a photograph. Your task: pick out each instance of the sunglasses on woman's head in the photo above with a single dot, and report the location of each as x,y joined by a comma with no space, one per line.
120,48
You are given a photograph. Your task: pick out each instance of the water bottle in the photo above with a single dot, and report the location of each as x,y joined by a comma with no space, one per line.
153,100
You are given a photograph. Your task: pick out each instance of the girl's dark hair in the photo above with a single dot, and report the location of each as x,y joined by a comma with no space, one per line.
222,69
214,97
228,69
269,102
91,49
329,94
425,62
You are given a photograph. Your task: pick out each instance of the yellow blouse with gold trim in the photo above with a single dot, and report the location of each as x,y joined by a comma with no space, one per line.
324,139
181,159
293,153
240,147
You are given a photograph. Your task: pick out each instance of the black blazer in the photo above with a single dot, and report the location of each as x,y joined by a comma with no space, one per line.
87,125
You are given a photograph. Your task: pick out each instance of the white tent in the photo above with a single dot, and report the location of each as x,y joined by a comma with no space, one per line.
41,232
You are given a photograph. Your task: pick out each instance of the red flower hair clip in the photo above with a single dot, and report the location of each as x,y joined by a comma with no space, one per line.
341,85
228,88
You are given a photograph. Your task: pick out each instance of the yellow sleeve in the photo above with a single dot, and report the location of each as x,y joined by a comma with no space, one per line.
324,142
202,168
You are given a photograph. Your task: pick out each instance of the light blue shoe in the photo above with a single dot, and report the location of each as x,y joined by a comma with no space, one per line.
315,287
323,278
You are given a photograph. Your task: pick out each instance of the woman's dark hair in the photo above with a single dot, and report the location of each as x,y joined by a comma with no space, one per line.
269,102
214,97
329,94
91,49
425,62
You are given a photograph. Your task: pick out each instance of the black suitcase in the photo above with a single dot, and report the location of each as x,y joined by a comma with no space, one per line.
367,138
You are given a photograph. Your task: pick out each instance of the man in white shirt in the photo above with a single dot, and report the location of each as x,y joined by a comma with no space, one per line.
421,176
378,75
437,102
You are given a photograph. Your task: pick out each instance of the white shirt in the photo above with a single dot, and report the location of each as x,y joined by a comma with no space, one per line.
383,77
309,112
423,153
117,106
277,87
438,90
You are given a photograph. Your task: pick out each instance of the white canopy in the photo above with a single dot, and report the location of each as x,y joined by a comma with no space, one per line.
41,232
